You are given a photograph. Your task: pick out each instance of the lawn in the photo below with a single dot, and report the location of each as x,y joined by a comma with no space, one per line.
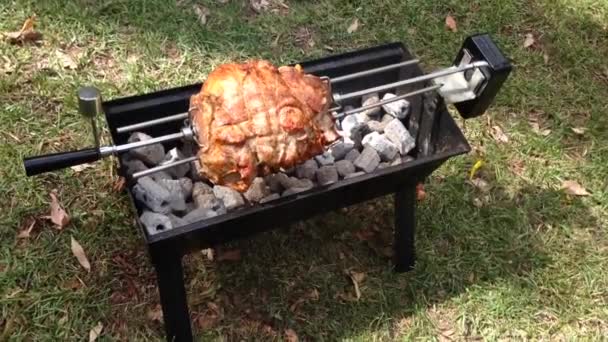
518,259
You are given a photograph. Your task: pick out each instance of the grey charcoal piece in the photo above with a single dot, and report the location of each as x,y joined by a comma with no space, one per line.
195,166
199,214
157,176
289,171
269,198
187,186
356,174
358,133
385,148
361,117
376,126
200,188
177,221
152,155
368,160
190,206
307,169
232,199
396,132
383,165
340,150
131,164
345,167
397,161
157,198
155,222
292,191
352,155
257,190
371,99
209,201
407,159
327,175
273,182
175,187
172,156
348,123
398,109
325,159
302,183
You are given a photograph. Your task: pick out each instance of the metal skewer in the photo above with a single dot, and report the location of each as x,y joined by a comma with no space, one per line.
183,116
163,167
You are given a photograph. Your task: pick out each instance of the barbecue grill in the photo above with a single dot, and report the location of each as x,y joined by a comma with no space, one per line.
470,84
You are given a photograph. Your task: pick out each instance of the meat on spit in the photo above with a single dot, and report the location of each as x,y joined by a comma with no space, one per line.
252,119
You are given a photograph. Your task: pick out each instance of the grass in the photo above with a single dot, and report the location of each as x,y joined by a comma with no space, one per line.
521,261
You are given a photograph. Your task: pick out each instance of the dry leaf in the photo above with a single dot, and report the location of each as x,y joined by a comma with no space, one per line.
574,188
450,23
223,1
208,252
477,202
156,314
259,6
536,129
529,40
78,252
354,26
546,58
499,135
95,332
81,167
202,13
420,193
480,184
26,34
290,335
66,60
356,278
231,255
25,233
579,130
119,184
58,215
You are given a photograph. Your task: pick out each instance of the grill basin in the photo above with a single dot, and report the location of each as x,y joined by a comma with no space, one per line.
167,248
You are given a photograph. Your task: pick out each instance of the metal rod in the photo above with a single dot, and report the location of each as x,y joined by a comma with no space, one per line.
444,72
154,122
373,71
392,99
185,133
163,167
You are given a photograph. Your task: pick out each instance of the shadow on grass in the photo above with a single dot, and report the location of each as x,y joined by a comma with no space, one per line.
275,285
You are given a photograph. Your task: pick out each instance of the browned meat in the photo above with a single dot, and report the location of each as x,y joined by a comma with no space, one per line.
253,118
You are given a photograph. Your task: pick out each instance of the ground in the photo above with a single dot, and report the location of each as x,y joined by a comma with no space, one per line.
519,258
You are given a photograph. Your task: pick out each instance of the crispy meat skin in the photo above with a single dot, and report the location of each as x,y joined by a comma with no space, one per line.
253,118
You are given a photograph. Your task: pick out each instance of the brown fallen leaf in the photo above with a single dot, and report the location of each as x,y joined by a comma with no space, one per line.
81,167
354,26
231,255
579,130
499,135
538,130
546,58
480,184
477,202
95,332
450,23
58,215
80,255
529,41
66,61
25,233
155,314
26,34
202,13
259,6
119,184
574,188
356,278
420,193
290,335
209,253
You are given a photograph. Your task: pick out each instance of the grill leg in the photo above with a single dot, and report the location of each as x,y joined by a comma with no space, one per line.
405,229
170,278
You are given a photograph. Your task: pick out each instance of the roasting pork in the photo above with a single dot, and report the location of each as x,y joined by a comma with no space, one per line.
252,119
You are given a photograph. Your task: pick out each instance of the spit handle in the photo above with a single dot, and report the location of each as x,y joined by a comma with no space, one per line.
56,161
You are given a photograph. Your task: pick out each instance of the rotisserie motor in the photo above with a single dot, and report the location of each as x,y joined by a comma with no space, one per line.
253,119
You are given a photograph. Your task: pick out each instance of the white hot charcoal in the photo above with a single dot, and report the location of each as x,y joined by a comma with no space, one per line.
396,132
398,109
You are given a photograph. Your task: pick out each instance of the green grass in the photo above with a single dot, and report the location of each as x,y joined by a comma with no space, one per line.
530,263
